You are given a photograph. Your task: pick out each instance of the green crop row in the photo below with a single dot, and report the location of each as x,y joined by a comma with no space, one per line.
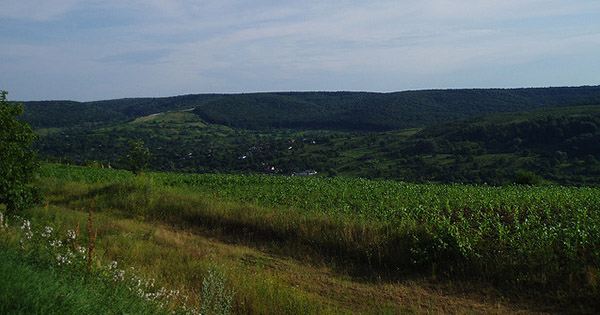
542,235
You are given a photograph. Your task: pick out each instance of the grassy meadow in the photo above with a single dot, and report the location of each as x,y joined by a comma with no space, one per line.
275,244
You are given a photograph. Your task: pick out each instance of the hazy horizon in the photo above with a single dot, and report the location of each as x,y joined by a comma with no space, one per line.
290,91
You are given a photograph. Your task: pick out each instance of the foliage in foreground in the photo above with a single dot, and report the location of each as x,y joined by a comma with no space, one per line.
54,274
47,274
17,162
520,236
30,289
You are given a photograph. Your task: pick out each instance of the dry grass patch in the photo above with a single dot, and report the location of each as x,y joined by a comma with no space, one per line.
266,282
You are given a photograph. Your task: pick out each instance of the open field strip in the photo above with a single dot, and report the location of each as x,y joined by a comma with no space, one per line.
343,245
263,280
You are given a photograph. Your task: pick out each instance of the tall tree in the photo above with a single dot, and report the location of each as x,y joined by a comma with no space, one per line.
18,163
138,157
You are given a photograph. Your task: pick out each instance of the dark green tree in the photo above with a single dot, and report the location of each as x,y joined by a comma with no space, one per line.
138,157
18,163
526,178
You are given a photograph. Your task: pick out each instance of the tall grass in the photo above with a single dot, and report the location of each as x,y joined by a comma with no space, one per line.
161,256
44,264
30,288
523,237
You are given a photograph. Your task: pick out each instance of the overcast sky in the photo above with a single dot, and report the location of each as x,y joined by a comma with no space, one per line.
104,49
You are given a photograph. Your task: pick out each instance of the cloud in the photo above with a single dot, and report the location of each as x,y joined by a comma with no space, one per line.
37,10
138,57
238,45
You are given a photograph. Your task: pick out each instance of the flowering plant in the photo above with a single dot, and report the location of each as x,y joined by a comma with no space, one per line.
46,247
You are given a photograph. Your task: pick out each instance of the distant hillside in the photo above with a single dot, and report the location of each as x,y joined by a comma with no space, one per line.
469,136
557,144
382,111
65,114
575,130
316,110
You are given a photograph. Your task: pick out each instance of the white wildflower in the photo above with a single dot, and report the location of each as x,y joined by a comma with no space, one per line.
112,265
63,260
47,231
26,225
119,275
71,234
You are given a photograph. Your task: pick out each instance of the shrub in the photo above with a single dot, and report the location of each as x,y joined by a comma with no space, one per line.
526,178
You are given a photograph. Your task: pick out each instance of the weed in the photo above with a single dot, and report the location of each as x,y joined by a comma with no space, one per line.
92,234
45,248
216,298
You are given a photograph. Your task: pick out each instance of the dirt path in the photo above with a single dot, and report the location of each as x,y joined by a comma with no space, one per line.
270,282
343,292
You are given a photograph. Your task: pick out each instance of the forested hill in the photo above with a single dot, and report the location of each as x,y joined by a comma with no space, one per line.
382,111
64,114
317,110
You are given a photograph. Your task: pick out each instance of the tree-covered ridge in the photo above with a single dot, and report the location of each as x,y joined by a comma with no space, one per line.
66,114
317,110
492,149
559,145
382,111
574,130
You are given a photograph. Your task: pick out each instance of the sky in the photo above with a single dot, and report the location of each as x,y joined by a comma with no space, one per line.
104,49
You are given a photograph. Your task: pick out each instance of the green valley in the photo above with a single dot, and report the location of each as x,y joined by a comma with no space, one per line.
440,201
319,245
283,133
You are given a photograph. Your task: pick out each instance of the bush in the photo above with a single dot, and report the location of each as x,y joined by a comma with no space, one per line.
526,178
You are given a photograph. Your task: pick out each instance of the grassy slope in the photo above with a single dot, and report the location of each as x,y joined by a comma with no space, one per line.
507,235
31,289
266,280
